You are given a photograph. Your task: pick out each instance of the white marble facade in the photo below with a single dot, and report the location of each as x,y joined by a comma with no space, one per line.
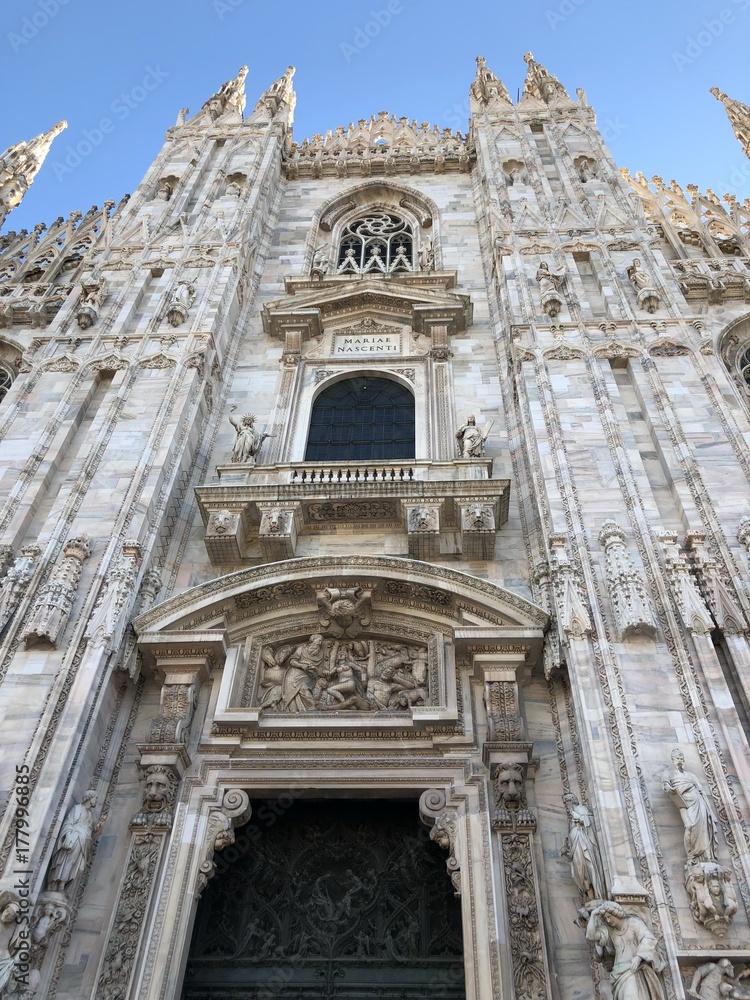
535,629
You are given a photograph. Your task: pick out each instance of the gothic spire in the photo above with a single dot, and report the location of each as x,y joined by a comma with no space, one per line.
230,96
540,84
486,87
279,95
739,117
19,166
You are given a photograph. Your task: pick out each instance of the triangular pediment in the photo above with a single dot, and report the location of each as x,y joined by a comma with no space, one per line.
415,298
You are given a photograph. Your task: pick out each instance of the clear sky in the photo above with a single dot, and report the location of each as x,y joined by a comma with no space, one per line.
646,66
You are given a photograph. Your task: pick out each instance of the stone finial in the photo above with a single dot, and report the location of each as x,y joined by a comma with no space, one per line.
540,84
487,88
279,94
19,166
229,97
739,118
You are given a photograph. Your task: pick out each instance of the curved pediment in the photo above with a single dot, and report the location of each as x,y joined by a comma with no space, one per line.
434,592
310,644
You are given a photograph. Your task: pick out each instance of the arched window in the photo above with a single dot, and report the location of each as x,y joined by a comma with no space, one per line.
6,380
362,419
378,243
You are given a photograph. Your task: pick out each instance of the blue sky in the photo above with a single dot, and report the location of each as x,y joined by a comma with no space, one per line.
646,68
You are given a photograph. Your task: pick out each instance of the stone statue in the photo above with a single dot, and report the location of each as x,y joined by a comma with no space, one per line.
638,277
15,582
426,255
583,851
321,263
624,937
93,294
470,439
712,899
696,813
709,978
247,441
73,846
180,300
648,297
164,190
549,286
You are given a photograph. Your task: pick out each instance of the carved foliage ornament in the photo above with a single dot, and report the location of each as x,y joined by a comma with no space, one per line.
56,598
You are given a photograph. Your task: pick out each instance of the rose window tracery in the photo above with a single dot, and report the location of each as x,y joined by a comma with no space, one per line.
378,243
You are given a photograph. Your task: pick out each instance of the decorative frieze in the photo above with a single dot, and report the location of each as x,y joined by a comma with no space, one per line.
330,674
530,977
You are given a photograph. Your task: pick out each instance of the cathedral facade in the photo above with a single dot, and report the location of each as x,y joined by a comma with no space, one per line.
375,594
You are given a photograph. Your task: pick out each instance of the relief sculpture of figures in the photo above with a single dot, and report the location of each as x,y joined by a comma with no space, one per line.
624,938
248,441
330,675
583,851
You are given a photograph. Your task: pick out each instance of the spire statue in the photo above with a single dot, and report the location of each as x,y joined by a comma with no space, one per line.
19,166
739,117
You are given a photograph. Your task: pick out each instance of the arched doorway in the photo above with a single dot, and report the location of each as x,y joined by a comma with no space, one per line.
329,899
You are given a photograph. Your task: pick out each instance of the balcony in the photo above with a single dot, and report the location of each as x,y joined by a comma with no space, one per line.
278,503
